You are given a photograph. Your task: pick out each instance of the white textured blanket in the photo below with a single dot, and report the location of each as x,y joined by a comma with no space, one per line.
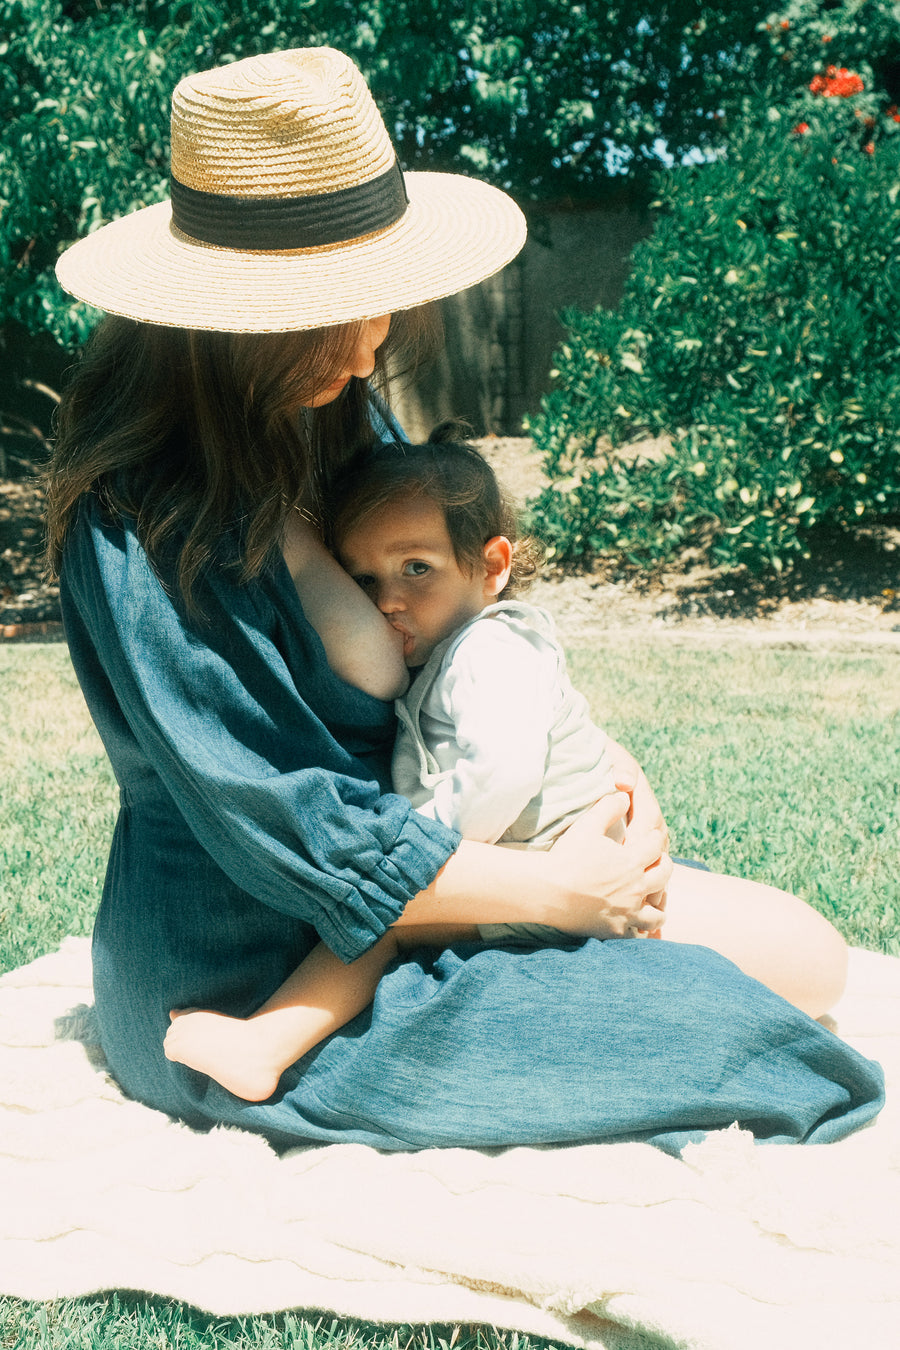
612,1246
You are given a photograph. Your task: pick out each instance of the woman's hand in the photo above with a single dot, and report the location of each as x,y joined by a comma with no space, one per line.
615,889
644,812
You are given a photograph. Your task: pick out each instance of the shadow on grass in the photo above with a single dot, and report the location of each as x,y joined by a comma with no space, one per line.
862,568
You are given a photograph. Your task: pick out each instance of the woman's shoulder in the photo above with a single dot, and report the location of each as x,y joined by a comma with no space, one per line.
99,525
105,562
94,530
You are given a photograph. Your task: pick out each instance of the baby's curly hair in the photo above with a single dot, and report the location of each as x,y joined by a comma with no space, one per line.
453,475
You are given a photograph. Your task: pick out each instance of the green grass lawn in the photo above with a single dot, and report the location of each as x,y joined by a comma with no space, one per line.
133,1322
783,765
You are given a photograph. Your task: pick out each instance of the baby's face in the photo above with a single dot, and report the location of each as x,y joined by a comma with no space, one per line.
403,558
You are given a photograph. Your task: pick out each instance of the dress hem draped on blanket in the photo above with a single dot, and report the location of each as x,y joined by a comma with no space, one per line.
673,1041
611,1246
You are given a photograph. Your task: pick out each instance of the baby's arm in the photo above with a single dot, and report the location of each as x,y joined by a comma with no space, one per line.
360,644
249,1055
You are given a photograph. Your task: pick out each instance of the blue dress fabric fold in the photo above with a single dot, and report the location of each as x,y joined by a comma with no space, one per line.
256,818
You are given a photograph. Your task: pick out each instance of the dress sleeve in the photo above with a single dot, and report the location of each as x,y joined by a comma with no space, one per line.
498,693
261,747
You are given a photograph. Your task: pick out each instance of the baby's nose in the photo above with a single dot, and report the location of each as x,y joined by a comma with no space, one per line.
388,598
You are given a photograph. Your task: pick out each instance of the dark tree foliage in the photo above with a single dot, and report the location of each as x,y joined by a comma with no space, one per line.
757,332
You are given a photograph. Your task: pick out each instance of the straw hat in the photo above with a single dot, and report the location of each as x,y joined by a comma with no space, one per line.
289,210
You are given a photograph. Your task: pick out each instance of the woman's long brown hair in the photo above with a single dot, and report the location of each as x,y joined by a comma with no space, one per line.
194,433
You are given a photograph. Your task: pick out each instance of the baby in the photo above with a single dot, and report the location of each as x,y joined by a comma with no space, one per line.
492,739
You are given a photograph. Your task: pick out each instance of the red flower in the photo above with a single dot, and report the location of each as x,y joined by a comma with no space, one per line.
892,112
826,38
837,82
801,128
785,23
869,148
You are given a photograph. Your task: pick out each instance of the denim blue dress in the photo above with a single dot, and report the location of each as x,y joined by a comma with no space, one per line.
255,818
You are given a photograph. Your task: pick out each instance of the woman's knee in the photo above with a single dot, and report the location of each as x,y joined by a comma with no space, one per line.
770,934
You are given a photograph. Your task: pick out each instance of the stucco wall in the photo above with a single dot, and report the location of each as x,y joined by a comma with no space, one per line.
501,336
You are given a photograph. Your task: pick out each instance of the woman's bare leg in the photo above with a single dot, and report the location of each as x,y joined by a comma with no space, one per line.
773,936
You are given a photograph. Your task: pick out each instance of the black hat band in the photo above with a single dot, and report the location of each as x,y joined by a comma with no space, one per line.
260,223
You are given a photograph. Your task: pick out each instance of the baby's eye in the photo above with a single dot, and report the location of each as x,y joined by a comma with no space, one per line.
415,568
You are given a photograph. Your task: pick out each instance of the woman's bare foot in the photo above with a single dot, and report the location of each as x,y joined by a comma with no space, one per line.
228,1049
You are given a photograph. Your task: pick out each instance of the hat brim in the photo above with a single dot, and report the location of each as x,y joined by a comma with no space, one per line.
456,232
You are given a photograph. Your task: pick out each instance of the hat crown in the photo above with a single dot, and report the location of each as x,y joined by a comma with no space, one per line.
295,123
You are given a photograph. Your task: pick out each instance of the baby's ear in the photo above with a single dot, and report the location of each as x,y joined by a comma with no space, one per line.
498,563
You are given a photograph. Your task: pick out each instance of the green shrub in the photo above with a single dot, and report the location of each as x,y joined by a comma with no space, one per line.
758,331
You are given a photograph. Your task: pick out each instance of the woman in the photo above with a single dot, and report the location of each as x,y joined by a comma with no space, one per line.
255,816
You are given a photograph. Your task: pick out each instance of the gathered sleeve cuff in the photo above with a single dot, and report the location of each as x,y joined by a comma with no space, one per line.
273,762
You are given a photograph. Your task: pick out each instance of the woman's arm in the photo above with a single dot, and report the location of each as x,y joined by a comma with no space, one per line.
360,644
587,884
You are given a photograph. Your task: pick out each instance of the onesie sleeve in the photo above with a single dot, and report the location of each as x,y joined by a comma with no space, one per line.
498,692
241,720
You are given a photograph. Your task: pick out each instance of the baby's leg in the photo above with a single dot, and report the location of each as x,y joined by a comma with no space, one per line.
249,1055
773,936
